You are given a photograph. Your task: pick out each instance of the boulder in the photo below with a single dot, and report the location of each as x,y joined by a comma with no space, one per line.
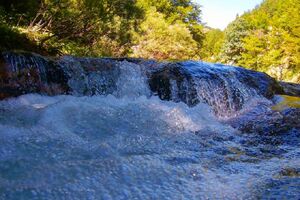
225,88
291,89
23,72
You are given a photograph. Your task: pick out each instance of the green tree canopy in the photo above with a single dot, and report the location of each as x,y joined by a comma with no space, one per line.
266,39
106,27
162,40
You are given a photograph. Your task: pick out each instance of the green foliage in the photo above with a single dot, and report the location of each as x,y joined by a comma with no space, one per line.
17,11
107,28
164,41
233,45
170,30
182,10
12,38
266,39
214,39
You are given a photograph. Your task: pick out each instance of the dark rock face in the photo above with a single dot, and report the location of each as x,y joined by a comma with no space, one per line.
264,121
173,82
291,89
225,88
22,73
263,83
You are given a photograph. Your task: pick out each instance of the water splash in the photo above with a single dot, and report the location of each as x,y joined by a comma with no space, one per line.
115,139
132,81
145,148
226,89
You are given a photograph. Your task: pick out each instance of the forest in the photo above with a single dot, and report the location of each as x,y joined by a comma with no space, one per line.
265,39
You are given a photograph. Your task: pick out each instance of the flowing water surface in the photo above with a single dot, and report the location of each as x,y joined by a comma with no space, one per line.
131,145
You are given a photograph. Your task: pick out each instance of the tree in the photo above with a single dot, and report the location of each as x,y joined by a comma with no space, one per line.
106,27
266,39
212,44
178,12
233,45
164,41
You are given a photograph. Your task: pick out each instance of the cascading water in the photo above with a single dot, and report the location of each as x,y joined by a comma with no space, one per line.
117,138
27,73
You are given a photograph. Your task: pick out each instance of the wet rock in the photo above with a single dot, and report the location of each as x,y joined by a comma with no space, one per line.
22,73
290,172
172,82
225,88
268,123
292,117
291,89
90,76
263,83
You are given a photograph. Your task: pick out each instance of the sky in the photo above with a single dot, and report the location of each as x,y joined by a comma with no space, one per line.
219,13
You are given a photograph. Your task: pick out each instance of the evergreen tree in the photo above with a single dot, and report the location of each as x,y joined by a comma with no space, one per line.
233,48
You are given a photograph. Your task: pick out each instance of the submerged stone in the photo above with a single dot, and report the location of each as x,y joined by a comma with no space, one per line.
268,122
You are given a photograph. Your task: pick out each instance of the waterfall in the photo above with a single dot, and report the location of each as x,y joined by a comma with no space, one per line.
103,128
226,89
23,73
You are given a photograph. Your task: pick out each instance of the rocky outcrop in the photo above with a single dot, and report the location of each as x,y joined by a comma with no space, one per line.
22,73
291,89
268,122
90,76
225,88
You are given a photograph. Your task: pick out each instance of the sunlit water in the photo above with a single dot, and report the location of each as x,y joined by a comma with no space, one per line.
131,145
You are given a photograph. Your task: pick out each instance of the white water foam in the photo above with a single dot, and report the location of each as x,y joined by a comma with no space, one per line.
128,146
103,147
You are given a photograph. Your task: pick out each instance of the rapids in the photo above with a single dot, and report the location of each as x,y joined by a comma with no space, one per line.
144,130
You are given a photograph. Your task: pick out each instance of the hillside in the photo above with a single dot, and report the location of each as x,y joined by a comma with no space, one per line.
266,39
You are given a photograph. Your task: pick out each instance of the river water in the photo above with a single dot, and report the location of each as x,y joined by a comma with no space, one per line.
132,145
